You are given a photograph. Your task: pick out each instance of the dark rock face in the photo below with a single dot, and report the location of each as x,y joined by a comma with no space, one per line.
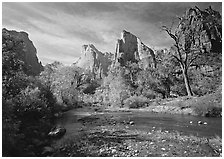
206,26
201,32
34,67
94,61
130,48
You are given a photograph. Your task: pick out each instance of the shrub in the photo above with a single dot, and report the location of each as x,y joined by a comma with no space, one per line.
209,105
115,89
27,118
136,102
150,94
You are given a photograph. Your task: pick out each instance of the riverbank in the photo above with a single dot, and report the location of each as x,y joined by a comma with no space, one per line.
209,106
95,130
108,135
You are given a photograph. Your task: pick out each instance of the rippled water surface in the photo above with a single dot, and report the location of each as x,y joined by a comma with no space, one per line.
185,124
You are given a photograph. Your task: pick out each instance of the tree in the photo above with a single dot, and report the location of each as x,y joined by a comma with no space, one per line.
24,98
196,35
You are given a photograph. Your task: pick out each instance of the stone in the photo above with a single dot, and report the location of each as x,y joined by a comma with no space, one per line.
200,122
163,149
131,48
131,122
94,61
57,132
47,150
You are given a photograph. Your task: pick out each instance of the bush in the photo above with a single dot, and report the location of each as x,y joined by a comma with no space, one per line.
136,102
10,129
115,89
208,105
27,118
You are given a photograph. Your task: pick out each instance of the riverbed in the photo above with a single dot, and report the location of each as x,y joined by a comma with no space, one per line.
157,131
185,124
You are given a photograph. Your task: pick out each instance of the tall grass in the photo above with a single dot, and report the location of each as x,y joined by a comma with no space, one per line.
208,105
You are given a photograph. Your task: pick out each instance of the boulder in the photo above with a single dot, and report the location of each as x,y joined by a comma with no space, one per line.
57,132
47,151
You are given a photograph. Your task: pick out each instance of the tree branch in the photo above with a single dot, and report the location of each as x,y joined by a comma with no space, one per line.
169,33
192,60
176,39
177,59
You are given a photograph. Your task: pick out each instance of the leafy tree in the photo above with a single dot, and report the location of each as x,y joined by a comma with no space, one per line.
27,104
27,116
151,83
67,82
198,34
115,88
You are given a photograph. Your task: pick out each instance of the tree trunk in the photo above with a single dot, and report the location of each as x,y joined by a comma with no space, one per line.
186,81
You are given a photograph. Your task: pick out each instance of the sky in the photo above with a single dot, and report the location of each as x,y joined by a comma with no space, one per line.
59,29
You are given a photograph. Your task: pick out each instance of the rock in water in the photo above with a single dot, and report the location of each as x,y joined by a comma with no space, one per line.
47,150
94,61
130,48
57,132
33,66
131,122
200,122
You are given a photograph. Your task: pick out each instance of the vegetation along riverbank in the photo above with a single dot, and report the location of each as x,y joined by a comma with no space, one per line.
96,104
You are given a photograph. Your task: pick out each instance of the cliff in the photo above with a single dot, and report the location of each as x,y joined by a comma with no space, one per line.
206,26
29,56
131,48
94,61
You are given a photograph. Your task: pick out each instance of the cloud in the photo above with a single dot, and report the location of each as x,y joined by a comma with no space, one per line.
58,30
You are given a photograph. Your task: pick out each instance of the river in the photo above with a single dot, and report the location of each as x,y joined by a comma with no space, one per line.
185,124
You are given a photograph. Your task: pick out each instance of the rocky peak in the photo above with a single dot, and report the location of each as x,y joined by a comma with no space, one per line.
207,28
94,61
34,67
131,48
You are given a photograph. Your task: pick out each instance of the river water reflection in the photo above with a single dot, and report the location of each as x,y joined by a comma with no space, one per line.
185,124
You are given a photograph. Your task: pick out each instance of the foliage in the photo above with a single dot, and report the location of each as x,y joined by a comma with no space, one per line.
197,36
27,115
209,105
115,89
27,104
205,80
192,66
136,102
151,84
69,84
62,81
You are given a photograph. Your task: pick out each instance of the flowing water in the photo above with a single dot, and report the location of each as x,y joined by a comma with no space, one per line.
147,121
185,124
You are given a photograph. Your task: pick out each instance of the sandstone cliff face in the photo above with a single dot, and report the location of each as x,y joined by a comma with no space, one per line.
34,67
206,26
130,48
201,32
95,61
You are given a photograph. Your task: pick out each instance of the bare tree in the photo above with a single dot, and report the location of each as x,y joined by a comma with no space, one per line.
188,35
